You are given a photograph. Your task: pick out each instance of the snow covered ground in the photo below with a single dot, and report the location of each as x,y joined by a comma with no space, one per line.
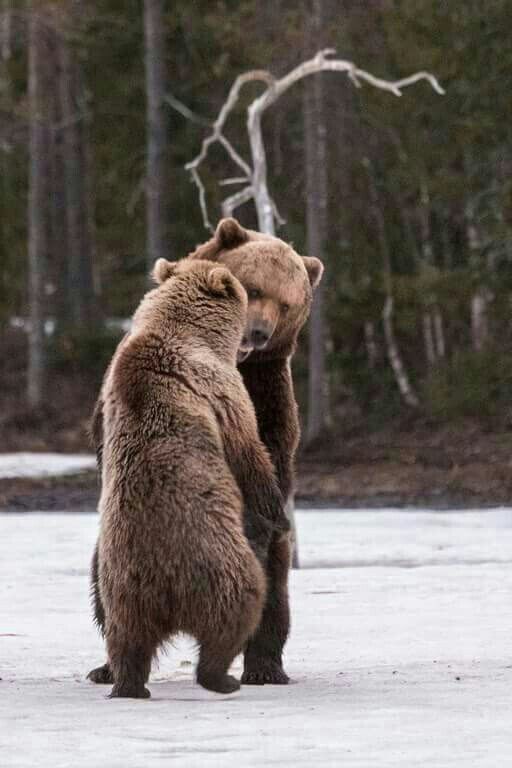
43,464
400,654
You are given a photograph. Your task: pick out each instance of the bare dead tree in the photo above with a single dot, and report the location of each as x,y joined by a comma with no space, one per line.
157,173
253,176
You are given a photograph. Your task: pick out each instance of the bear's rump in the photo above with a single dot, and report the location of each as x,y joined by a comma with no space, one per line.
179,559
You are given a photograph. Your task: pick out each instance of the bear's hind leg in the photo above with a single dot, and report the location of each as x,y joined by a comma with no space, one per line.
219,649
130,661
214,662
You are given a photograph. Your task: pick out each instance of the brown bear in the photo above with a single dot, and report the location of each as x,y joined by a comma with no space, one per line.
280,286
179,431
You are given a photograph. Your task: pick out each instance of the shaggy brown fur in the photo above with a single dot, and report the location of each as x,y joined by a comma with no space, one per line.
280,286
179,432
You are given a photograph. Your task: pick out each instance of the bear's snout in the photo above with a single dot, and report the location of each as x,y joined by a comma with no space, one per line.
259,337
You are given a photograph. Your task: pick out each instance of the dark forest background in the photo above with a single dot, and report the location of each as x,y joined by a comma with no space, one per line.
416,231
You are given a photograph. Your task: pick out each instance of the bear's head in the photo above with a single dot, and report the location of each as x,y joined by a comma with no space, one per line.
200,300
279,285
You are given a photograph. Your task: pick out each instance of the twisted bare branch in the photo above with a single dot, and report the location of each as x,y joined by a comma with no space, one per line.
266,208
235,201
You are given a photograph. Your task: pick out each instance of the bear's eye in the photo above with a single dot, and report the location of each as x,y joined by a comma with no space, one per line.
254,293
285,308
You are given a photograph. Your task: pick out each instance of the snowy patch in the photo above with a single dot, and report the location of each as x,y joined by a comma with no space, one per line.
392,666
14,465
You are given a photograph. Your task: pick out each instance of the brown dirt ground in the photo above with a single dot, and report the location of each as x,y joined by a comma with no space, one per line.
446,468
409,464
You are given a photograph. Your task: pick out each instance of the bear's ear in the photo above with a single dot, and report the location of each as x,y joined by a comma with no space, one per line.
163,270
221,282
229,234
314,268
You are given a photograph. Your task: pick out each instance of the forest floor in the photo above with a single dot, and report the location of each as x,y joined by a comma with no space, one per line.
409,464
459,467
399,654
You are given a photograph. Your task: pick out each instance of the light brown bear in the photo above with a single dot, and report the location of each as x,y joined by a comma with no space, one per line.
280,284
179,432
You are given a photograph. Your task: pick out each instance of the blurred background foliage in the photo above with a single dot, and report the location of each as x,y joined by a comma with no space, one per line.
441,169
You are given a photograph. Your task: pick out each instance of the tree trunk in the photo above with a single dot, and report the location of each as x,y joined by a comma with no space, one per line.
439,333
482,296
393,352
480,319
5,30
80,290
157,172
394,356
427,250
371,344
428,337
37,207
59,246
315,143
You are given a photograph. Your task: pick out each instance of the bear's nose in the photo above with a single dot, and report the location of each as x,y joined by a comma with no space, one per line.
259,338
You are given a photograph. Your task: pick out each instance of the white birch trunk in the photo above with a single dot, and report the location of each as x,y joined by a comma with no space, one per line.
439,333
480,319
428,338
371,344
394,356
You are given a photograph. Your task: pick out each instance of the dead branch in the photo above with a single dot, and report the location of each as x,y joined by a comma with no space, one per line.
257,174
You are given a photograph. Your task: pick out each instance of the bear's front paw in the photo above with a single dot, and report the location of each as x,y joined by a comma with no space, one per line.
264,673
101,675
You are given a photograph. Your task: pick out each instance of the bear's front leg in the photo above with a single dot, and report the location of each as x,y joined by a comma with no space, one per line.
263,656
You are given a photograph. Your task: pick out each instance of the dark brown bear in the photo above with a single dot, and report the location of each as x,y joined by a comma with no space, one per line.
280,286
179,432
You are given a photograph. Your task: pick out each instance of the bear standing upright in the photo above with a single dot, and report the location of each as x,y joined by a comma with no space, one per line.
280,284
177,427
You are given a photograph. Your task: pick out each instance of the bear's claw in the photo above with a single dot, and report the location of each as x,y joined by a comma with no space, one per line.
129,692
101,675
265,674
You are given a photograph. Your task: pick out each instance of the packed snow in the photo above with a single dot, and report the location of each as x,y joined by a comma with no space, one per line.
44,464
400,654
